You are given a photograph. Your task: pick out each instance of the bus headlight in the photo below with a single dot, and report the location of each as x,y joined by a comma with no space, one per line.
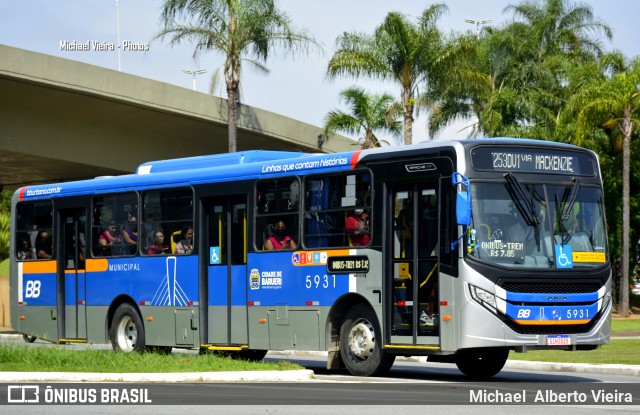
483,298
604,298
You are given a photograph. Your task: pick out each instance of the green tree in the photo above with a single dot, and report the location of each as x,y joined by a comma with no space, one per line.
5,221
401,51
368,114
482,88
559,27
555,36
5,201
613,103
241,30
515,80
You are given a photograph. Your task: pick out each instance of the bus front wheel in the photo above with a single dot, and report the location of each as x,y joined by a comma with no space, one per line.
482,362
361,343
127,330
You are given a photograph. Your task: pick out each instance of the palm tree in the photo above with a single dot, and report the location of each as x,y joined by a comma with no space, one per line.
368,114
561,28
482,87
242,30
613,103
514,82
555,36
399,50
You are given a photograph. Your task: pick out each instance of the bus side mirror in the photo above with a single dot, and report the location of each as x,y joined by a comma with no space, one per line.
463,199
463,208
463,204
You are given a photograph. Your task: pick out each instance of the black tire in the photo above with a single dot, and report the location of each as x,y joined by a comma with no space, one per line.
127,330
164,350
252,355
482,362
29,339
248,354
361,345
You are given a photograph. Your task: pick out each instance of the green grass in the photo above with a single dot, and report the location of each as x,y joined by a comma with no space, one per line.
624,324
4,269
619,351
44,359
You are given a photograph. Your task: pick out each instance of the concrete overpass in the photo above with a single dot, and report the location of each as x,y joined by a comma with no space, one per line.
63,120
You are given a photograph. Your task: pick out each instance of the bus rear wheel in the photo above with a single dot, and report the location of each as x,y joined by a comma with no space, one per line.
127,330
252,355
361,346
482,362
29,339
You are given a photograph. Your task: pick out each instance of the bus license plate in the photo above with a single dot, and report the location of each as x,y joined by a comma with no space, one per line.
559,340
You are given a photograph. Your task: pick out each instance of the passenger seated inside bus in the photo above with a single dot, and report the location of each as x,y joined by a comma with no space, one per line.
157,245
357,227
130,233
44,245
280,238
24,250
109,238
184,245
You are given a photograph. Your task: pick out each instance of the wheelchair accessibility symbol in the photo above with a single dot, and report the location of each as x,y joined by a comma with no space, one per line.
564,256
214,255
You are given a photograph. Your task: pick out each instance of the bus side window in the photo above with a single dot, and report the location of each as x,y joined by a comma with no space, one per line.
31,219
167,218
111,212
276,200
329,201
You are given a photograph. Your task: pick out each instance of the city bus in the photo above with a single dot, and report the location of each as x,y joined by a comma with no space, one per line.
461,251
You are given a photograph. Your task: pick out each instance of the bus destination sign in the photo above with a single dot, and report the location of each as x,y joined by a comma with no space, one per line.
348,264
531,160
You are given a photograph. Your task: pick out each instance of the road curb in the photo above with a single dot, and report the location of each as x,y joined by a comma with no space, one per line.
250,376
603,369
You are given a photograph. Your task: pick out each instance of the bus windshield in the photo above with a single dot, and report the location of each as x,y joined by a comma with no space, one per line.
537,225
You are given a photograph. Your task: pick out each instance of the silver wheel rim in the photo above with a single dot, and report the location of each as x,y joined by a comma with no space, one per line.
126,334
362,339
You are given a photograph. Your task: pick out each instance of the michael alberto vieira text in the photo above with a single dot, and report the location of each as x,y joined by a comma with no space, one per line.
549,396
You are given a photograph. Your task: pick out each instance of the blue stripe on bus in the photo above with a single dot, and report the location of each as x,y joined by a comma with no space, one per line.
280,282
39,289
304,164
551,298
552,314
156,280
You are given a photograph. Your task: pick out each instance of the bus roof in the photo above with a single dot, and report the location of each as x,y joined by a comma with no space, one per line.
238,166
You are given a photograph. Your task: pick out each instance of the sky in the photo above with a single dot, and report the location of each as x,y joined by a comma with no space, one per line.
295,87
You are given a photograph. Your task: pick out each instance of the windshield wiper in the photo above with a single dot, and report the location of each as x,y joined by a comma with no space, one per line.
571,200
526,208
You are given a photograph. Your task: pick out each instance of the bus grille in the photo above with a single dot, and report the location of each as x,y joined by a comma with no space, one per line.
551,287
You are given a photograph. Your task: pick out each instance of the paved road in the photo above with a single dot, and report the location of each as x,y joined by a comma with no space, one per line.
416,369
412,387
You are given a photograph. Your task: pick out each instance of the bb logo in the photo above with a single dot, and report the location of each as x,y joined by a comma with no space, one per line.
524,313
32,289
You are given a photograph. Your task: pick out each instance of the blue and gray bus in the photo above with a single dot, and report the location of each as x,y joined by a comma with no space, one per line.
457,250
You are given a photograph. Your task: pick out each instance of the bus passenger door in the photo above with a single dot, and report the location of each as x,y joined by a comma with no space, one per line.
226,227
414,259
72,273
